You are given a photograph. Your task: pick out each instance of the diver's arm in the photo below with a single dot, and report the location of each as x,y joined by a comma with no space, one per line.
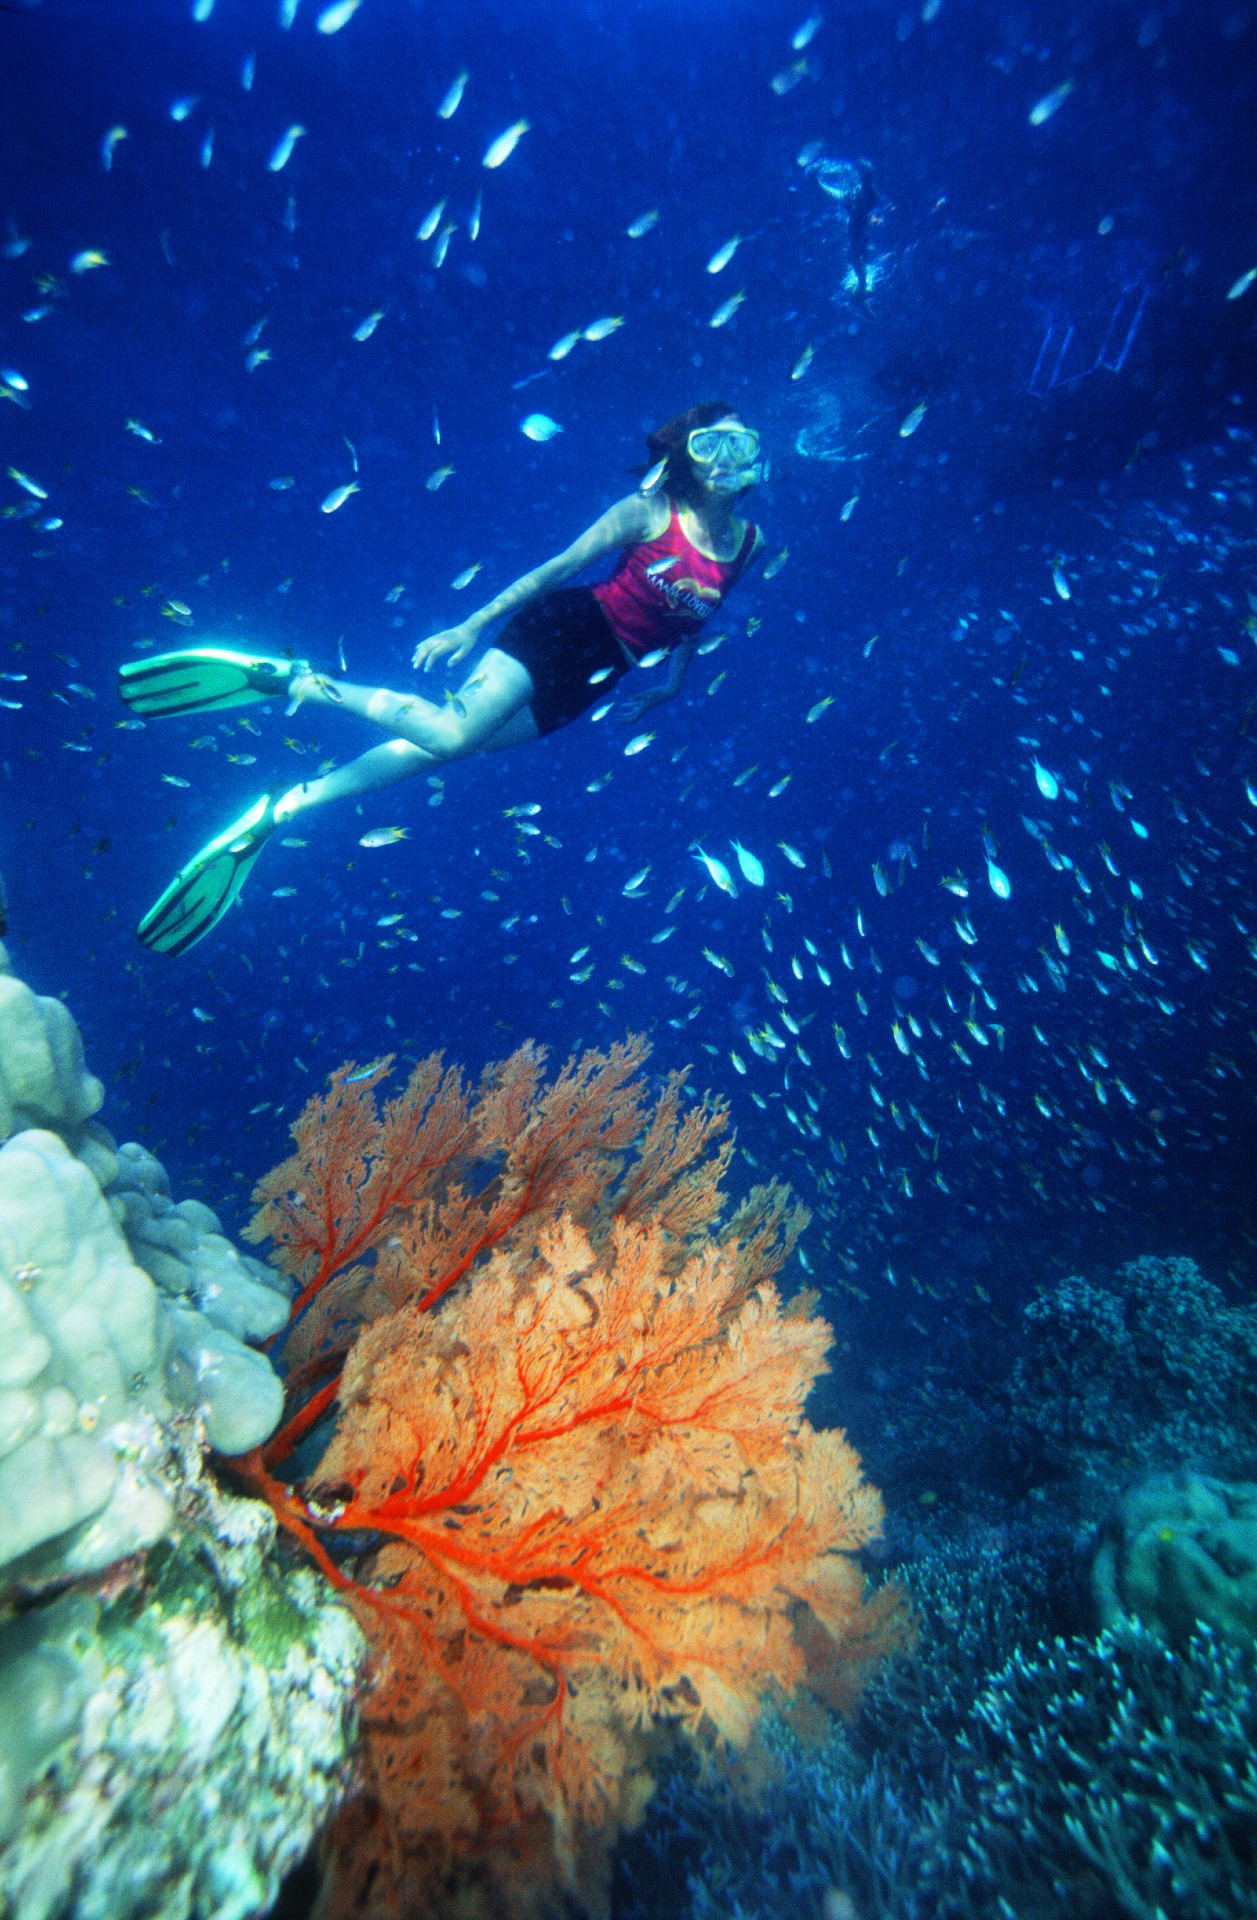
623,525
678,660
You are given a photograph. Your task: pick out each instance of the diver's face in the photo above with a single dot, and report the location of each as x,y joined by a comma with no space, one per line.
733,465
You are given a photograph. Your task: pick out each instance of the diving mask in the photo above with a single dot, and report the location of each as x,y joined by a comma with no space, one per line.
728,457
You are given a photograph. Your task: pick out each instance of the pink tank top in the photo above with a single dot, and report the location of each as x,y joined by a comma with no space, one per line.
662,590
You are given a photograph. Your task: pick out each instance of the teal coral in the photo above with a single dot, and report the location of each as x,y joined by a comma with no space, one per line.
49,1663
80,1479
96,1363
1182,1549
1089,1777
182,1247
1144,1372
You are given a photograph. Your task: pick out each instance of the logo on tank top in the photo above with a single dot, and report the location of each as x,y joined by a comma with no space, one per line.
689,596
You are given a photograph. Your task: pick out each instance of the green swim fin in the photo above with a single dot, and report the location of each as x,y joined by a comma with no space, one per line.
202,680
201,892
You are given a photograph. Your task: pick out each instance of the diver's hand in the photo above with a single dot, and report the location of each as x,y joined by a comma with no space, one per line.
627,711
455,643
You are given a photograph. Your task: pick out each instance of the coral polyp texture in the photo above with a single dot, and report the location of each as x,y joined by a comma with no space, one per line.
570,1462
82,1474
171,1749
119,1310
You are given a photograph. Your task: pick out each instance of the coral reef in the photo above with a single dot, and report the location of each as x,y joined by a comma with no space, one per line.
118,1310
1151,1370
579,1493
1107,1776
173,1742
975,1600
1093,1383
177,1703
182,1248
83,1400
1094,1776
43,1079
1181,1548
1016,1762
816,1808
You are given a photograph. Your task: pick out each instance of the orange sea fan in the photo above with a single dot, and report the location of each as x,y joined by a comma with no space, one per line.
379,1206
582,1495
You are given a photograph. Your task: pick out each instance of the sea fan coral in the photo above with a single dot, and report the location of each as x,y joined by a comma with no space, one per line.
581,1497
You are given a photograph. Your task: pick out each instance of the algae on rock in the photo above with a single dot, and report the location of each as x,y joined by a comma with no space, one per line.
177,1745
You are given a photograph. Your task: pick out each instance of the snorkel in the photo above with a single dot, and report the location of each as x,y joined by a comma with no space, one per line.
734,480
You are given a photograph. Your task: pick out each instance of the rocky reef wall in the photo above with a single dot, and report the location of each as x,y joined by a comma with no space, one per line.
178,1695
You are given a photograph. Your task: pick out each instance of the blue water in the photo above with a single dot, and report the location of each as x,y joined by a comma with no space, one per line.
1127,1126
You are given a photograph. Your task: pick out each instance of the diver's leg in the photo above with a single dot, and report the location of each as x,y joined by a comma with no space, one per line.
493,707
380,705
384,766
399,760
490,709
201,892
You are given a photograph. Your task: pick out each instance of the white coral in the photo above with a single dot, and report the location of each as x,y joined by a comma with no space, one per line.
43,1080
83,1327
119,1308
91,1347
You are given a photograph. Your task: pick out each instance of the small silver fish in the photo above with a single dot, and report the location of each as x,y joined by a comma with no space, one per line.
501,149
539,427
722,256
338,15
1043,109
431,221
452,97
283,149
338,496
726,310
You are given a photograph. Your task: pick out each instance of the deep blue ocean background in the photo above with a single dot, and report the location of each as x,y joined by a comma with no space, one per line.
1052,562
1139,483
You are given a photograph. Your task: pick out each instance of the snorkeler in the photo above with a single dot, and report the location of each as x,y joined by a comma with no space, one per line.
682,546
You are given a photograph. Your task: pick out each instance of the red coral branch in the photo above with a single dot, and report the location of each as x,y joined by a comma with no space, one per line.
327,1204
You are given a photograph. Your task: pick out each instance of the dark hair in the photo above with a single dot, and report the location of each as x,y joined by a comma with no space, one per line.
668,442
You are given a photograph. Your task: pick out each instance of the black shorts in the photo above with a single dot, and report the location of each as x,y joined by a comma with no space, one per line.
562,639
